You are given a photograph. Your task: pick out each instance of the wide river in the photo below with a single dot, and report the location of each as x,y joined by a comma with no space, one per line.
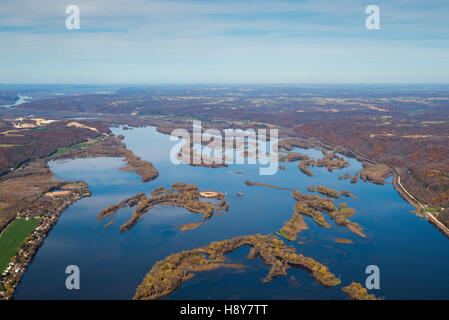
412,255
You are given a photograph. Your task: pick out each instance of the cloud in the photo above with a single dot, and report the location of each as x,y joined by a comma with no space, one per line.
180,40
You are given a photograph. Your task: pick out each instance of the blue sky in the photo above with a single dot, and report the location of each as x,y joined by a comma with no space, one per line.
233,41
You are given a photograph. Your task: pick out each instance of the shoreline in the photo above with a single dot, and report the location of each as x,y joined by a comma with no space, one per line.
396,181
407,196
11,277
418,205
348,152
58,198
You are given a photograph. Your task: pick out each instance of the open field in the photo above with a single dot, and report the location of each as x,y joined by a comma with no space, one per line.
22,187
12,237
77,146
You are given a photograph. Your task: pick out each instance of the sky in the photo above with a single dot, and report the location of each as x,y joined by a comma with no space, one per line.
224,41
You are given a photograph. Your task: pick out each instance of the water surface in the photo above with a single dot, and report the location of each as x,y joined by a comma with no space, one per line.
413,256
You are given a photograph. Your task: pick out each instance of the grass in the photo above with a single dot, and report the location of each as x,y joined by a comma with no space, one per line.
12,237
321,223
8,145
335,281
285,235
77,146
431,210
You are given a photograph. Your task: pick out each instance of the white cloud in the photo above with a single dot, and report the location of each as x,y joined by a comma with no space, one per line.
140,41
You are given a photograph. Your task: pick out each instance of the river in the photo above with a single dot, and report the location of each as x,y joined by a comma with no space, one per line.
412,255
21,99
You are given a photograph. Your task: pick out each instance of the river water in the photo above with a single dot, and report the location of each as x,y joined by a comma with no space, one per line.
20,100
412,255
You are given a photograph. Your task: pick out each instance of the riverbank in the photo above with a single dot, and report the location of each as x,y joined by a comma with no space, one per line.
417,204
110,146
33,192
373,171
12,237
261,210
46,210
402,191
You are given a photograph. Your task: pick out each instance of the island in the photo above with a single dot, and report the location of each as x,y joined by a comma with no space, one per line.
292,227
293,156
344,176
330,192
181,195
251,183
375,172
343,241
330,160
304,166
168,275
357,292
312,206
191,226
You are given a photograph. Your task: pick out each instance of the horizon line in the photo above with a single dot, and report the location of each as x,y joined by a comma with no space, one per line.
215,83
